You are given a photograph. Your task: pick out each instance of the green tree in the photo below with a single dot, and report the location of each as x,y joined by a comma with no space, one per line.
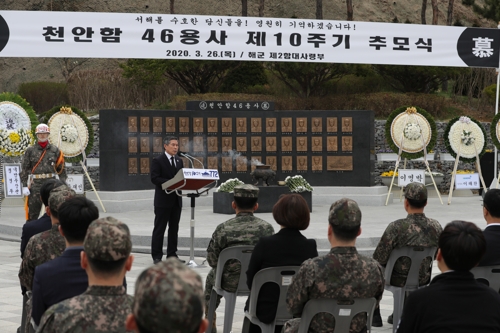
195,77
491,10
249,74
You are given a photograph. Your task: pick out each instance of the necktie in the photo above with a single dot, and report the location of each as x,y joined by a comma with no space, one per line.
172,162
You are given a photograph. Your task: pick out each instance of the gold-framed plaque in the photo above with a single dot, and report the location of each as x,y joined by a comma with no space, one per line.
286,143
170,124
317,125
241,125
144,124
317,143
286,163
302,143
184,144
286,125
145,144
227,125
213,162
331,124
331,143
256,160
157,125
271,144
184,124
317,163
132,145
227,164
132,124
241,164
346,124
256,143
271,160
144,165
227,144
347,143
339,163
212,125
198,125
301,125
302,163
198,144
256,125
132,165
241,144
157,144
212,144
271,125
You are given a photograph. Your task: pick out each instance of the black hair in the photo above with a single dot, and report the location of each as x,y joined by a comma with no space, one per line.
345,233
48,186
462,245
491,202
417,203
75,216
105,269
245,203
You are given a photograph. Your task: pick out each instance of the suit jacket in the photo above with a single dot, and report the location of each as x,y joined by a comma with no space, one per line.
161,171
57,280
453,302
492,255
32,228
288,247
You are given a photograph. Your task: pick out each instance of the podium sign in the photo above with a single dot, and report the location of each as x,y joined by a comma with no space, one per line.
467,181
191,179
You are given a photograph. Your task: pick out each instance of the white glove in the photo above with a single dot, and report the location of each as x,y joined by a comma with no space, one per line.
26,191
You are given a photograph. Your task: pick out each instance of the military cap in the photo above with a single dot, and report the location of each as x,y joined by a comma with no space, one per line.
169,298
107,239
345,212
416,191
59,195
246,191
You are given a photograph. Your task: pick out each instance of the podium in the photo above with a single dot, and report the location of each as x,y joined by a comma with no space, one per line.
199,180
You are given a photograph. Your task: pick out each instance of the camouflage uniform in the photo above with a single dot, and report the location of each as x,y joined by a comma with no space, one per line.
414,230
342,274
99,308
46,166
169,298
244,229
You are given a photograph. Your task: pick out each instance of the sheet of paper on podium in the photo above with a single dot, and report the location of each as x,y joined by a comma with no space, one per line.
191,179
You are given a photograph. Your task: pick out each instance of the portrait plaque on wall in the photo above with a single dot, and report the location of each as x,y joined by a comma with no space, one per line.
132,124
256,160
346,124
332,143
227,144
347,143
331,124
339,163
212,162
286,163
286,125
157,125
132,165
271,144
212,125
302,163
227,164
256,125
132,144
241,144
286,143
184,144
170,123
241,164
317,143
144,145
271,125
317,163
144,124
271,160
241,125
198,125
256,143
157,144
145,165
184,124
197,164
302,143
317,125
227,125
198,144
301,125
186,162
212,144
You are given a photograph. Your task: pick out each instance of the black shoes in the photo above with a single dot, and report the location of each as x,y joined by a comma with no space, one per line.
389,319
155,261
175,256
377,318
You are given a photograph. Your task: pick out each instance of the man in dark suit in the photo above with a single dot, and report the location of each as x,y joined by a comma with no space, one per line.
454,301
491,213
167,206
64,277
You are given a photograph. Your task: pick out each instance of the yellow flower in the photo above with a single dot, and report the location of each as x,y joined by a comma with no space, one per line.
14,137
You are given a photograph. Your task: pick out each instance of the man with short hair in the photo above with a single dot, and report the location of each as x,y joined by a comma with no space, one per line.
104,306
414,230
491,213
168,298
243,229
342,274
454,301
63,277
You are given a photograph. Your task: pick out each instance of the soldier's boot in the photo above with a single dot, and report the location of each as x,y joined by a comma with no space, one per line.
214,324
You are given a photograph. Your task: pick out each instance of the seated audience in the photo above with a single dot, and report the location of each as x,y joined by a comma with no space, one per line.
288,247
342,274
168,298
105,305
454,301
491,213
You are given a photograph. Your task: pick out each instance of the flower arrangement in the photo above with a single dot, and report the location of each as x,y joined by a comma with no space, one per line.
16,113
495,130
229,185
69,133
15,142
415,126
388,173
467,136
464,172
297,184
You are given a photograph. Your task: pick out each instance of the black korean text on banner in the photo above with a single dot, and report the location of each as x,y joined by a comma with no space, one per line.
196,37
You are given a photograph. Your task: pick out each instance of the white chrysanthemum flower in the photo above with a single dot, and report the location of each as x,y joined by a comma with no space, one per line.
69,133
422,126
467,138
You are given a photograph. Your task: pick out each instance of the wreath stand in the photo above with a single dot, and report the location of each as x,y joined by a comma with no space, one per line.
398,160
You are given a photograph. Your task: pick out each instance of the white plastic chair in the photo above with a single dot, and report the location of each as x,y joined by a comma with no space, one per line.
489,273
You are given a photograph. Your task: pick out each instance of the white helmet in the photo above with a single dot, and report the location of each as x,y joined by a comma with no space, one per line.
42,128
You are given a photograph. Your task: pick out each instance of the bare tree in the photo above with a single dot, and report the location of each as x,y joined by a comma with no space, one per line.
244,7
349,10
69,65
435,12
172,7
424,8
449,19
261,8
319,9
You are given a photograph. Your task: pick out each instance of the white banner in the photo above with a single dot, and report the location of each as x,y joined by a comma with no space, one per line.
196,37
13,187
407,176
467,181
